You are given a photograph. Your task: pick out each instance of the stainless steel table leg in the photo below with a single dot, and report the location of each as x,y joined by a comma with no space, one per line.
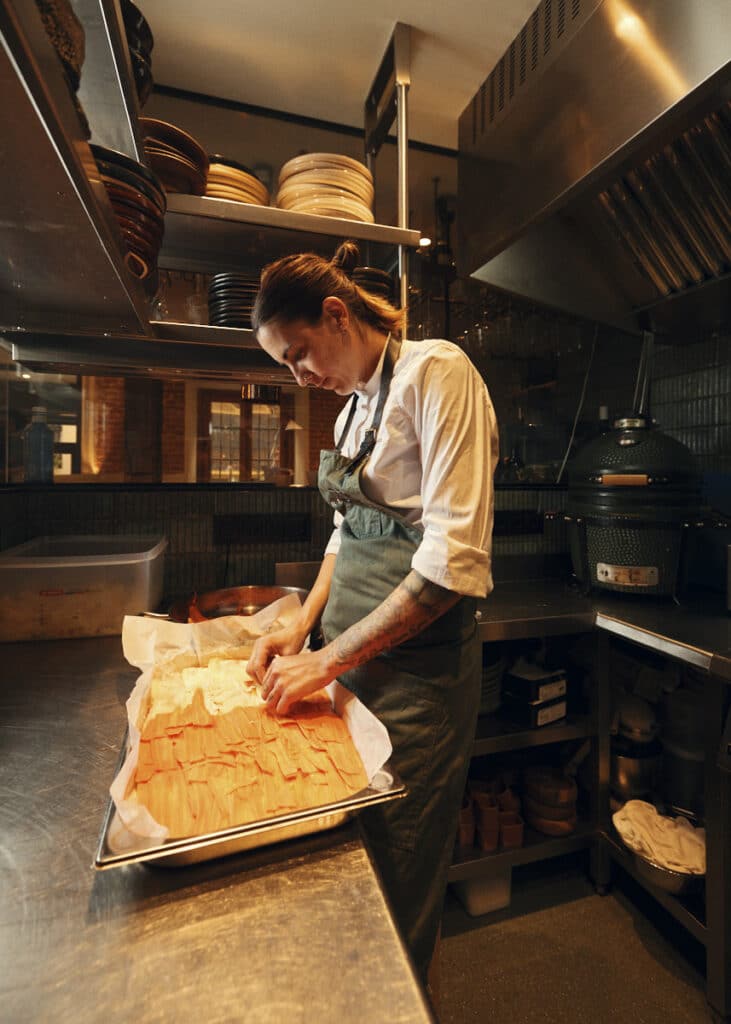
600,867
718,853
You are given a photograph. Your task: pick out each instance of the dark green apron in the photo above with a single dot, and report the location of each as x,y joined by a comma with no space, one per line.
426,692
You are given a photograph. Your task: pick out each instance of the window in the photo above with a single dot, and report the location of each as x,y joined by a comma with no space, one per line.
240,438
224,427
265,439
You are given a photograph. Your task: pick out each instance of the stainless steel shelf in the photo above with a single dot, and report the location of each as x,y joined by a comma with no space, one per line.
494,736
218,234
687,911
205,334
472,863
176,352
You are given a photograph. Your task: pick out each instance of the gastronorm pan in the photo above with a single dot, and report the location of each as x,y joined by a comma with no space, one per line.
127,848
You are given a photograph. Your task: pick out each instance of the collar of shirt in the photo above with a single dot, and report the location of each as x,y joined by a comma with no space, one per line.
373,383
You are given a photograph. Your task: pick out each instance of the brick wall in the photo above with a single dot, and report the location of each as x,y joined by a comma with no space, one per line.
103,403
324,409
173,428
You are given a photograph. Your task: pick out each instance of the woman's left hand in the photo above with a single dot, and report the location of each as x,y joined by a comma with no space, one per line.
289,678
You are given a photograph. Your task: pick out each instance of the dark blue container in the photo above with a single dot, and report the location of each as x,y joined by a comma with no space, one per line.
38,449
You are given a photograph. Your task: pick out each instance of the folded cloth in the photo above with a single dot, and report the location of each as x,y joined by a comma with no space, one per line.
672,843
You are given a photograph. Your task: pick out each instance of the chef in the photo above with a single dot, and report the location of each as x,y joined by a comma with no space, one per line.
410,482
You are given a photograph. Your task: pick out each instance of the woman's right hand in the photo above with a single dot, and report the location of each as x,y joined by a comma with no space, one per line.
284,641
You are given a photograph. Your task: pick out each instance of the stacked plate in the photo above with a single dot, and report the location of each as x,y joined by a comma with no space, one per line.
327,184
139,204
67,35
228,179
375,281
179,161
231,298
68,38
140,42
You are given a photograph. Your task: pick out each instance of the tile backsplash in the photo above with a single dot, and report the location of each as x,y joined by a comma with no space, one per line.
691,398
200,556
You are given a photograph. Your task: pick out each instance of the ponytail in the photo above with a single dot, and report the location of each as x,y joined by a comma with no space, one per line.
294,288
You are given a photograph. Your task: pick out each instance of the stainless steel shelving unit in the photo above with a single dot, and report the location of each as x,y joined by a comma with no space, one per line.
688,911
495,737
68,298
64,263
521,615
536,847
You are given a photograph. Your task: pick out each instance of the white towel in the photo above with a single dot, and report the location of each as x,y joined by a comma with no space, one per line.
671,843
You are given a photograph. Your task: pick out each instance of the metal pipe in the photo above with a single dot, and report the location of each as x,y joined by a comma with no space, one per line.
402,139
402,144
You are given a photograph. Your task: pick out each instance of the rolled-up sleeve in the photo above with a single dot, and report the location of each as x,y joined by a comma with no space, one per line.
455,421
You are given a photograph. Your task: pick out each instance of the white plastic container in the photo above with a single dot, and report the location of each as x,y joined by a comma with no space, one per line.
491,891
59,587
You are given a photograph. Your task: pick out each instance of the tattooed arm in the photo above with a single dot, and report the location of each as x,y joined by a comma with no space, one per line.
412,606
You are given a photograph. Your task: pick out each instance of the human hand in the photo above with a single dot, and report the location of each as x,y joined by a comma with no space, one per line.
267,647
289,679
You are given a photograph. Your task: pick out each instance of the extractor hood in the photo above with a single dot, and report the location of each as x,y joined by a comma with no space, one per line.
595,164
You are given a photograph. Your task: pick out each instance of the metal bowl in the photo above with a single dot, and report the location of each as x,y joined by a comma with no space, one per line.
675,882
231,601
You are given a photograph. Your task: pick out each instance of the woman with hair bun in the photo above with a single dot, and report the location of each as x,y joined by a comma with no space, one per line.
410,482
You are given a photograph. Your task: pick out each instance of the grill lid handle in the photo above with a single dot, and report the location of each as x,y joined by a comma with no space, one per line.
624,479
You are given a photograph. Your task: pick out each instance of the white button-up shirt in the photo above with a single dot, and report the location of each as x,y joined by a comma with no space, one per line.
433,461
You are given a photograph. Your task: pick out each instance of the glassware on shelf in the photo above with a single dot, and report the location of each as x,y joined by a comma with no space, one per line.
196,305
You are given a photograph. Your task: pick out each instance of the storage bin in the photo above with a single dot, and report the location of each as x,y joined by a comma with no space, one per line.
491,891
78,586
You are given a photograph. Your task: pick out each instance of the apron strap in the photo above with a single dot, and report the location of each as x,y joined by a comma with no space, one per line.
346,428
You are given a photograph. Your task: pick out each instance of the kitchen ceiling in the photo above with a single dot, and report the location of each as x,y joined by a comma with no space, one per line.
318,59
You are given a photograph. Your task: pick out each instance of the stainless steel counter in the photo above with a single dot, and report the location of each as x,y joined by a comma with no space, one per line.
519,610
295,932
696,631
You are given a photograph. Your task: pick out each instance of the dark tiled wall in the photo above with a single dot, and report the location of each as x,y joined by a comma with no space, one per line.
185,515
691,398
690,394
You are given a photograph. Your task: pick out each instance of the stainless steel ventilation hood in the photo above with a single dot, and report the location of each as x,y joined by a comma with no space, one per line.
595,164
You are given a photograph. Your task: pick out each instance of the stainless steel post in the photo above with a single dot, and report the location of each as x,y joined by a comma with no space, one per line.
402,142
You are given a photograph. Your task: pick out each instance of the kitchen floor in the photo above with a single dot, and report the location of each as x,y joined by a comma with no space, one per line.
561,954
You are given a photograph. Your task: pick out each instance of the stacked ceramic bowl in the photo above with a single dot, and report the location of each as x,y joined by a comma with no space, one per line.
231,299
228,179
375,281
140,43
179,161
327,184
139,204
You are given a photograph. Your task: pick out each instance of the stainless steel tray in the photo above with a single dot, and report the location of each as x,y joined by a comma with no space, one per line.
192,850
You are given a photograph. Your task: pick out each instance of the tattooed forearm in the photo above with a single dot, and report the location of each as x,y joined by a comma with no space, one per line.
411,607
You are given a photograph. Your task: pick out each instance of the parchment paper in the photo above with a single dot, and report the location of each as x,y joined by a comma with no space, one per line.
147,642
